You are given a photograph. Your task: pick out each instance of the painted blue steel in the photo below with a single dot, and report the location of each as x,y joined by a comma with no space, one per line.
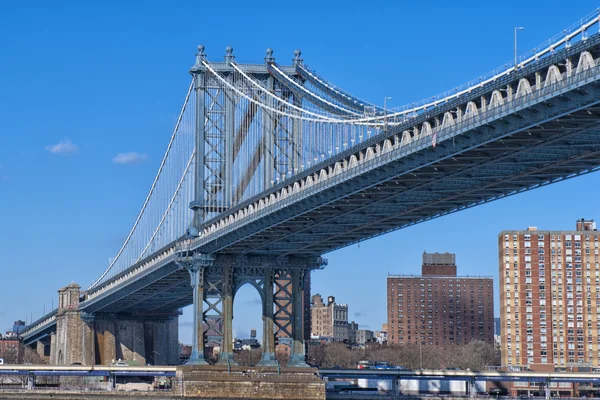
142,373
379,170
68,373
451,105
17,372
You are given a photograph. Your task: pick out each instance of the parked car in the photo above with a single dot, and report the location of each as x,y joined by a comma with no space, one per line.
119,364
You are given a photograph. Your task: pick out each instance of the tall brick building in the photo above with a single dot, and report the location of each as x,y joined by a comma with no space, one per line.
439,307
550,296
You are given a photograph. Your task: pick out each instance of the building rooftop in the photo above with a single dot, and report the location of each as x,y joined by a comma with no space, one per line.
439,258
439,276
582,226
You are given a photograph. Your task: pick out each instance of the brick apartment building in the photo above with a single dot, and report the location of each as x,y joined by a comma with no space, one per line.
550,297
439,307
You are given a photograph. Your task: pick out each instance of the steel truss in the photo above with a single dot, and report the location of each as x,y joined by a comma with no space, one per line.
279,282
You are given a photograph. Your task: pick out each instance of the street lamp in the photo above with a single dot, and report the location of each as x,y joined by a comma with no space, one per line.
517,28
385,99
420,352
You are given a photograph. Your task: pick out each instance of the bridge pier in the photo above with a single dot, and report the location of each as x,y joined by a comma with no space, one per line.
69,326
297,356
268,342
226,355
137,340
53,348
89,339
280,284
40,348
105,342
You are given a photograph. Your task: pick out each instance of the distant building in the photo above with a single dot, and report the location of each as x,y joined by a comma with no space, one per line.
329,320
382,336
185,351
352,328
10,348
550,297
363,336
439,307
497,326
18,327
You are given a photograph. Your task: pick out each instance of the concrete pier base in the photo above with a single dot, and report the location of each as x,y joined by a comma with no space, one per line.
216,382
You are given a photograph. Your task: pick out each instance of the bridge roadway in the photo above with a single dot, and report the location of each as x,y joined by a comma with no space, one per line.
532,127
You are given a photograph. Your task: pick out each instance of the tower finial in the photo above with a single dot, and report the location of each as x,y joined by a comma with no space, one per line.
269,58
200,56
229,57
297,60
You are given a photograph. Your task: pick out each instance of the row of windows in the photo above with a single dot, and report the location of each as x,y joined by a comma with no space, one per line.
541,236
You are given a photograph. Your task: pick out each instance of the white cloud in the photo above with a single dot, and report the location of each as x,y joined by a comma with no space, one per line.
129,158
63,147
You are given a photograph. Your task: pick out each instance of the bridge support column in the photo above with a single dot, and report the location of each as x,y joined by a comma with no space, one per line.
53,348
69,326
105,341
226,355
268,355
40,348
297,356
197,277
88,345
161,341
130,340
196,269
197,205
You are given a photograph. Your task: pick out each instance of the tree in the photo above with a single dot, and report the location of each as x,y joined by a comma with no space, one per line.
475,355
338,354
282,357
248,357
316,355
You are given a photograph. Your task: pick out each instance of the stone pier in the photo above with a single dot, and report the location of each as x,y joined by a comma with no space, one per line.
89,339
234,382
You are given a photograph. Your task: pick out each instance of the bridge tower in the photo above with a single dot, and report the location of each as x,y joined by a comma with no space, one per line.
241,149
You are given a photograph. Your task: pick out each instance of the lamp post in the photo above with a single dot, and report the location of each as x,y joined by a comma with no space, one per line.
517,28
420,352
385,99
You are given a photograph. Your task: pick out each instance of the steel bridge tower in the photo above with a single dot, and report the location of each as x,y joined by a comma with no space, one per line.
239,145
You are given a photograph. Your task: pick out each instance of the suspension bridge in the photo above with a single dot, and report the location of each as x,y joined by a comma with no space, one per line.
271,166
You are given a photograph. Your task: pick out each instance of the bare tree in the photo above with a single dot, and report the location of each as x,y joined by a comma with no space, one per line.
316,355
248,357
478,355
30,356
339,355
282,357
475,355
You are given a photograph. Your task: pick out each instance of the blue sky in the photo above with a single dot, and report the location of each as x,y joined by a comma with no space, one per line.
89,93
